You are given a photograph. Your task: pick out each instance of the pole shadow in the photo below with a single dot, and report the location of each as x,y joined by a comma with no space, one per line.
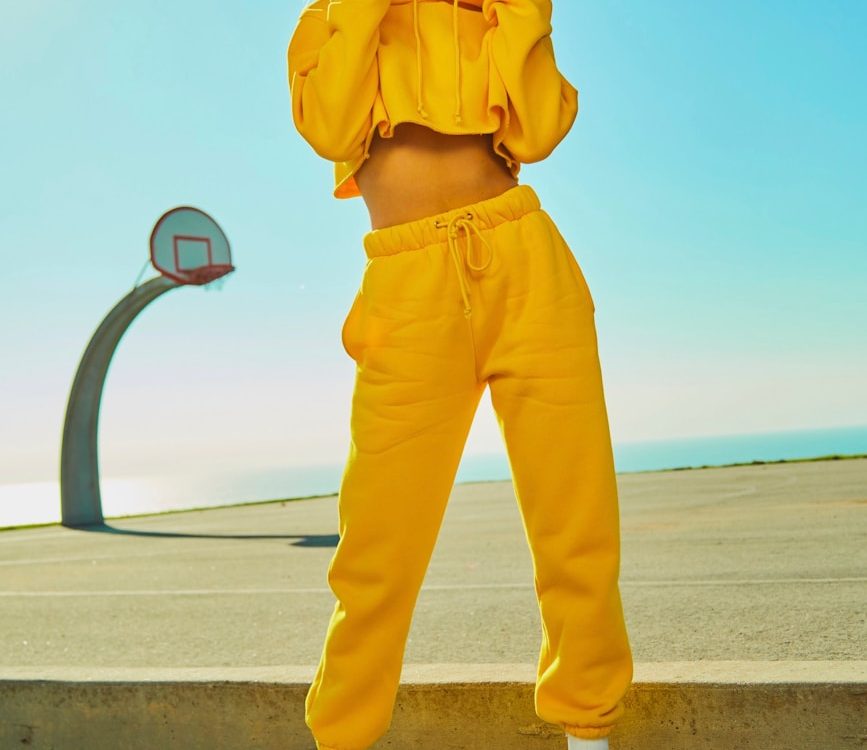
300,540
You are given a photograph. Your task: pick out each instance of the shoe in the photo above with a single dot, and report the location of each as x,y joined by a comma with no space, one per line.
579,743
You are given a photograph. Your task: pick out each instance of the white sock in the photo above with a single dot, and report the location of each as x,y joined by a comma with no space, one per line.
579,743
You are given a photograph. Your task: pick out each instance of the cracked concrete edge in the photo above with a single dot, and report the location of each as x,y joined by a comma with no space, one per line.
809,705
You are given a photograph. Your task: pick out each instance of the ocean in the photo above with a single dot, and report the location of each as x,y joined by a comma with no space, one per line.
39,502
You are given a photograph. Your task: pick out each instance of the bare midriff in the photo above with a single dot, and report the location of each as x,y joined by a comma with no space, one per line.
420,172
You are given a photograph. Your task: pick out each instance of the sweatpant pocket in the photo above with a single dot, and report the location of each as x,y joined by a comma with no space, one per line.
349,330
575,267
579,276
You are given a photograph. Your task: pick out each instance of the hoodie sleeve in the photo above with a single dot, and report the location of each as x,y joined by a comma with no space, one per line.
542,103
333,73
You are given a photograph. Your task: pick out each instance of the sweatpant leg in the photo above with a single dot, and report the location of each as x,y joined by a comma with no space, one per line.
546,387
413,403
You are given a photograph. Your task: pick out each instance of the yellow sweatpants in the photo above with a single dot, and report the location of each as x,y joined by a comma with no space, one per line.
486,294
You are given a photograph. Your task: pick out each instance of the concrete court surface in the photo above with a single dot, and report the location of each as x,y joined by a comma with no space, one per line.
757,571
760,562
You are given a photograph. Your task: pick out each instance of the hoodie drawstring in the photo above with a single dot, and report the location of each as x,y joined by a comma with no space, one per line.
457,46
464,221
417,58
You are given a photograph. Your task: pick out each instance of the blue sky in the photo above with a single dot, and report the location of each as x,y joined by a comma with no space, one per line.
713,188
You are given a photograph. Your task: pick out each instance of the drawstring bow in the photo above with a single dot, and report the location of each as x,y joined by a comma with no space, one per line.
453,226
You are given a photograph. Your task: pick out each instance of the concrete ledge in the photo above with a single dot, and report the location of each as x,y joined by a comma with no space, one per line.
671,706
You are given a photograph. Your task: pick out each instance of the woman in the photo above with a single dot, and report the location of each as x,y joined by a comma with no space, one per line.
468,284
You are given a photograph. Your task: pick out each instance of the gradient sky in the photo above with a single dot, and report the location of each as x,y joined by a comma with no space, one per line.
713,188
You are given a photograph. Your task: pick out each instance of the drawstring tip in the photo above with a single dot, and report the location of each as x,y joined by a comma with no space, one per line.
468,311
458,118
422,112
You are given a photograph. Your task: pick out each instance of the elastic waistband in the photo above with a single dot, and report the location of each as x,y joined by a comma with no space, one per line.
412,235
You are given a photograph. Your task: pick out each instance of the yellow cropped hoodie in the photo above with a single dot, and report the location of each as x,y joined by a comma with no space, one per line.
456,66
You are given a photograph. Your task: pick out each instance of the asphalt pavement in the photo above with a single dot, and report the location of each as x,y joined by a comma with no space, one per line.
753,563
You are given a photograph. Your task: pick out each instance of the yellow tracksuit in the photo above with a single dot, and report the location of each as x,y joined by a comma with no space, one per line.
485,295
468,66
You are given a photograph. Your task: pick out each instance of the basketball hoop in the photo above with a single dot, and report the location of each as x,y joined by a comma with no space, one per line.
189,247
205,275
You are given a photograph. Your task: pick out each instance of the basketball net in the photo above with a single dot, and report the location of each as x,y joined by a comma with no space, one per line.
215,285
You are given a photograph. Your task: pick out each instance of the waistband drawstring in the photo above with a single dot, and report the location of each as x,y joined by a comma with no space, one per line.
464,221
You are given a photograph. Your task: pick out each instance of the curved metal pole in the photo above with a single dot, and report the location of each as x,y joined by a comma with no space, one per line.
80,500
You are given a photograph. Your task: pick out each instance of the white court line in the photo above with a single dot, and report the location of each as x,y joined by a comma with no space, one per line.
745,581
87,558
26,535
758,675
443,587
